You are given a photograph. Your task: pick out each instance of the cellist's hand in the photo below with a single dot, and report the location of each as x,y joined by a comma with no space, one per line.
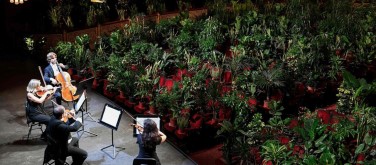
53,81
62,65
54,89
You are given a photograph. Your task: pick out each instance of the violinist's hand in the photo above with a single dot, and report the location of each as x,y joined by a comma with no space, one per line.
72,112
48,92
53,81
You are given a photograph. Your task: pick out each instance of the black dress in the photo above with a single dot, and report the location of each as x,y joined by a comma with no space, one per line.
145,152
34,113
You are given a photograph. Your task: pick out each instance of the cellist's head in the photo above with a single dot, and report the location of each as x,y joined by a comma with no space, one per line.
51,57
59,111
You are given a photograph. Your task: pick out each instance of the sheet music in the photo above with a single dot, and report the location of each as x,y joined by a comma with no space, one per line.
111,116
140,121
80,101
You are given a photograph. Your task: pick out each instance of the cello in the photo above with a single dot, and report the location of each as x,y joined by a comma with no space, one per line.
67,89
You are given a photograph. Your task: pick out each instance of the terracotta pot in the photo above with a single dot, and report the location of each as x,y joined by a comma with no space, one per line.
120,98
181,133
95,84
227,76
172,122
169,84
151,111
266,105
252,102
140,108
162,81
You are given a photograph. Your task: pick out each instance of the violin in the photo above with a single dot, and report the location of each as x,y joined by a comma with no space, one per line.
40,91
68,114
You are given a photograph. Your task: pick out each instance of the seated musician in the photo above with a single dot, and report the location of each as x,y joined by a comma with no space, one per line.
148,139
33,105
35,96
50,73
60,131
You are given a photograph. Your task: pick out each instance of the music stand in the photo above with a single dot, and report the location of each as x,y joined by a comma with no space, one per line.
80,102
139,119
111,118
79,107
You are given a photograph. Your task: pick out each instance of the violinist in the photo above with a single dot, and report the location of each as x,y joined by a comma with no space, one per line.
59,131
50,73
148,139
33,104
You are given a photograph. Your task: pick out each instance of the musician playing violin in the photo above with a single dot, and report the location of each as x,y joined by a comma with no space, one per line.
33,104
50,73
59,131
148,139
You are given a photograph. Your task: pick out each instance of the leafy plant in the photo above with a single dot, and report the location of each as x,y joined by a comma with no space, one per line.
273,151
182,122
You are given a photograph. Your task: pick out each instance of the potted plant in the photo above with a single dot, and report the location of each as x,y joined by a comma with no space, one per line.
182,123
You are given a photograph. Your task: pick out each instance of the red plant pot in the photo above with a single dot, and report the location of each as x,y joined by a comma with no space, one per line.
252,102
169,84
227,76
181,134
95,84
140,108
162,81
151,111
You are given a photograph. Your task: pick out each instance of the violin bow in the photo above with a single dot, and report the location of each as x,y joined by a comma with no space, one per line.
40,71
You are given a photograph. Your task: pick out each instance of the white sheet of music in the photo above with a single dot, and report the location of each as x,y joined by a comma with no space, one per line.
110,116
80,101
140,121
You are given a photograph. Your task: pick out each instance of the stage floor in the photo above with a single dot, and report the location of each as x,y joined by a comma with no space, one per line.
16,74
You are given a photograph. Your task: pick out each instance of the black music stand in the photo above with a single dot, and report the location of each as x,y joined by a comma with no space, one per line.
81,100
111,118
79,107
139,119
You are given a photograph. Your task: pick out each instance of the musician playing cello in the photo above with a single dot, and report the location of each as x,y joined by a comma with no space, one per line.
50,73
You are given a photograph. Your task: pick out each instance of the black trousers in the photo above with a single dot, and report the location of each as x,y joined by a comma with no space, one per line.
58,96
78,155
41,118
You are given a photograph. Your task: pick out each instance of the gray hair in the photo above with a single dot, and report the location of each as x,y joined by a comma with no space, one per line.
33,84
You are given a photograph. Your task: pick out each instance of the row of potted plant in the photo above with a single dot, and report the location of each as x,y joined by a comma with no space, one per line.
256,76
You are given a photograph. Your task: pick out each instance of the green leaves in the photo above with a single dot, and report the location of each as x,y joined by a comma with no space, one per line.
272,150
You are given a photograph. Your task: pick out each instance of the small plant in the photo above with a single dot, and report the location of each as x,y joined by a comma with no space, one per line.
182,122
273,151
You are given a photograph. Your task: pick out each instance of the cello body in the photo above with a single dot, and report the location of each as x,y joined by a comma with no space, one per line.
67,89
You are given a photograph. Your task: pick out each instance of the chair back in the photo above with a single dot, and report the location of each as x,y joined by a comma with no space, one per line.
146,161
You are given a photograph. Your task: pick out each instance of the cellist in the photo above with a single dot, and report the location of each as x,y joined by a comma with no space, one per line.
50,73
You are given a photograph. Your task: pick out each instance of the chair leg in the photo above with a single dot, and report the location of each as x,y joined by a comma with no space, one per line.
41,128
28,135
